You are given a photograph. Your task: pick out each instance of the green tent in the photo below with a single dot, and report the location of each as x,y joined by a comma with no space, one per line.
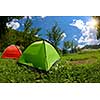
40,54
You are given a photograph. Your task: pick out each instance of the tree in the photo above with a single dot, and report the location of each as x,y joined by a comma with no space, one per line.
25,37
29,34
55,35
3,21
27,25
69,47
67,44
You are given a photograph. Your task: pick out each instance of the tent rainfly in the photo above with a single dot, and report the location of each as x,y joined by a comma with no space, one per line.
12,52
40,54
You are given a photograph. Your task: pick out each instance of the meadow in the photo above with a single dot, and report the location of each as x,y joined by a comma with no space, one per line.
82,67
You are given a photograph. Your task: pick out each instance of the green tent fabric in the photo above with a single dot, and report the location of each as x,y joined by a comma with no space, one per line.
40,54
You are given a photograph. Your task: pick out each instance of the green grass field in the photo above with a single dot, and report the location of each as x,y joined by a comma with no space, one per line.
81,67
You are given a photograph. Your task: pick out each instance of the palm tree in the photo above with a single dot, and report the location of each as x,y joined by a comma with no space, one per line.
29,34
69,47
55,35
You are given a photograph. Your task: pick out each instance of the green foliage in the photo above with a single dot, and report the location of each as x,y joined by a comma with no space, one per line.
29,34
64,71
69,45
25,38
6,37
3,21
55,35
9,38
27,25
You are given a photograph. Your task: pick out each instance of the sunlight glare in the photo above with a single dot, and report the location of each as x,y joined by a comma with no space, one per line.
93,23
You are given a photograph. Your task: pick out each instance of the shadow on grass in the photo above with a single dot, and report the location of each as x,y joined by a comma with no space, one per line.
32,68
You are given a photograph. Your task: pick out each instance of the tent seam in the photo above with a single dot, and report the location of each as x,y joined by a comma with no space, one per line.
45,52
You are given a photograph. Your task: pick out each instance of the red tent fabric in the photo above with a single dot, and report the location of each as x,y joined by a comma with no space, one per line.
11,51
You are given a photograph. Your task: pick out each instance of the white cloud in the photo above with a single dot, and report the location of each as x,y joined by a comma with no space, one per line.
30,17
92,42
22,24
88,33
63,36
75,37
80,46
43,16
13,25
78,23
25,17
14,20
37,35
81,39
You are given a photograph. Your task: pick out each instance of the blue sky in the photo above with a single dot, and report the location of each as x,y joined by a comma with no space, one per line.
76,28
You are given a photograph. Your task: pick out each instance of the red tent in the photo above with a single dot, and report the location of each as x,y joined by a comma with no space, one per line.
11,51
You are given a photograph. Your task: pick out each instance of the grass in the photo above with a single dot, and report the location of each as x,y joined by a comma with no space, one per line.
81,67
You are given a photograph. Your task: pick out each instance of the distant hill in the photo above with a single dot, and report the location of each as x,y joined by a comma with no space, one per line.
91,47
